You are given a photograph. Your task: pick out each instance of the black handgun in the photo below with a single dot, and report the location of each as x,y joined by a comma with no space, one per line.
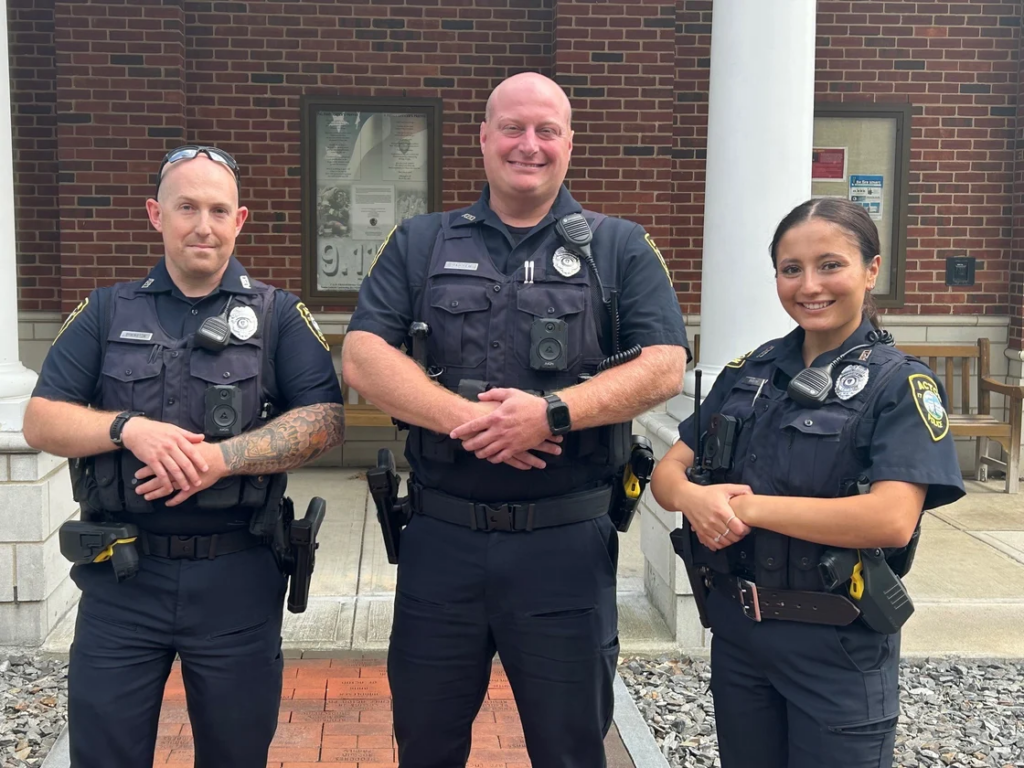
682,538
300,559
392,512
83,542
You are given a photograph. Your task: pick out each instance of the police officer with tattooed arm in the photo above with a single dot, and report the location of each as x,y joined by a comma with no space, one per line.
183,399
537,331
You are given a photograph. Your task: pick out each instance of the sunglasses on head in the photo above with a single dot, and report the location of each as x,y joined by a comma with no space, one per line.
190,151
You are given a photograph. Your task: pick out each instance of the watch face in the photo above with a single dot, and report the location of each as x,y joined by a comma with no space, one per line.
560,417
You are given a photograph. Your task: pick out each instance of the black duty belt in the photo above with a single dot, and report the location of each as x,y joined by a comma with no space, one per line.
785,604
198,547
513,516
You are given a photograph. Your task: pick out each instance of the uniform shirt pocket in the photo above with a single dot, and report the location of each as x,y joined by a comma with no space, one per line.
132,380
461,313
815,443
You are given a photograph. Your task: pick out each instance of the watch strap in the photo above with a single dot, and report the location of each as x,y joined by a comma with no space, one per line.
117,425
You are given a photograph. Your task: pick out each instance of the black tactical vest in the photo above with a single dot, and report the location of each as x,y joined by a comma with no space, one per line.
480,321
145,369
785,449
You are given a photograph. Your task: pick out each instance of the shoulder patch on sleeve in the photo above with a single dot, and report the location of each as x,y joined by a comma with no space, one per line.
312,325
929,405
739,362
657,252
71,318
381,250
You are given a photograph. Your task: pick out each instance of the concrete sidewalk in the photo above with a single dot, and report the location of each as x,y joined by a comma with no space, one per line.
967,582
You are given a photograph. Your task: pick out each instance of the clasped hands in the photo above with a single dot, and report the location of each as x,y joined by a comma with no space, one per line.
716,513
508,425
175,460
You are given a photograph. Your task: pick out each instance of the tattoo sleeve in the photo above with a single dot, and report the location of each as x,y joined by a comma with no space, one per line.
289,441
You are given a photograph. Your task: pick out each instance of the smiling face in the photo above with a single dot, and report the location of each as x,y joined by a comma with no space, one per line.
821,280
199,217
526,141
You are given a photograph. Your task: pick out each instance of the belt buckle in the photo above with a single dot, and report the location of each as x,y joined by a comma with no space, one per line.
747,591
498,518
182,547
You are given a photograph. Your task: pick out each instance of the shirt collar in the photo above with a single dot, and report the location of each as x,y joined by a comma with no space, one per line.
481,212
234,280
790,353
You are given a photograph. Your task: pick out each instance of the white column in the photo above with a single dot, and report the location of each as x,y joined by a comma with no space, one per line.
16,381
35,490
760,130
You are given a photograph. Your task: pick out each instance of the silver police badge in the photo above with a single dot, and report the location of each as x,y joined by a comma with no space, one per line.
566,263
242,322
851,381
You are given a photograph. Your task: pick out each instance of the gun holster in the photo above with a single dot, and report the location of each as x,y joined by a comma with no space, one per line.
682,542
83,542
393,513
635,475
295,546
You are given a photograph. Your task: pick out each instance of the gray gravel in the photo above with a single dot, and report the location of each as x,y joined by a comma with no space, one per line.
33,707
956,713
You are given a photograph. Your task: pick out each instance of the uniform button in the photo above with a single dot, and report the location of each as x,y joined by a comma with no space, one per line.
551,310
454,304
195,311
128,372
808,422
495,344
743,555
497,289
174,354
170,401
227,374
770,561
805,561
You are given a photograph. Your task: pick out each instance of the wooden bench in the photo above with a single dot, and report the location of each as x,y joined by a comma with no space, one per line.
981,424
358,412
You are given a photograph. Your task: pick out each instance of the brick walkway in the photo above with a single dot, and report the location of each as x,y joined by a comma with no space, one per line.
338,711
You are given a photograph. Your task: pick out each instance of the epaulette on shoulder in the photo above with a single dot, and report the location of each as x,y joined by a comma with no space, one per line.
763,352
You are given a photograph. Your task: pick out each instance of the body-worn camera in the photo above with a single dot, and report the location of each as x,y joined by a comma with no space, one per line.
223,413
549,344
720,442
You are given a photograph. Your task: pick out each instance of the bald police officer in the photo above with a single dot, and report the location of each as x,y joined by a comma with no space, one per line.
127,385
517,437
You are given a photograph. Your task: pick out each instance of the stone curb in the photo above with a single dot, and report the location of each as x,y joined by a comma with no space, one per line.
635,734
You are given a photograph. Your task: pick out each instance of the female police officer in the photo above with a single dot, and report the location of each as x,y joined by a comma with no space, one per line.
834,465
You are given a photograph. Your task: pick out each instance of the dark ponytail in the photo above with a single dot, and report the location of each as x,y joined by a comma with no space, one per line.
852,219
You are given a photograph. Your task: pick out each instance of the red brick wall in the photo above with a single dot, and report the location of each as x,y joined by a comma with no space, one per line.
689,148
249,62
1017,258
957,63
637,73
120,102
34,121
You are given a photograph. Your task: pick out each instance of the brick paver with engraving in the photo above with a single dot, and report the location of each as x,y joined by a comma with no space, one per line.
338,712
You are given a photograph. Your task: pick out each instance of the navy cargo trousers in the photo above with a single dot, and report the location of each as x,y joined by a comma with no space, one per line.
543,599
222,617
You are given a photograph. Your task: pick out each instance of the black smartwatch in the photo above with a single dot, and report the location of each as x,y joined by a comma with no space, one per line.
117,425
558,415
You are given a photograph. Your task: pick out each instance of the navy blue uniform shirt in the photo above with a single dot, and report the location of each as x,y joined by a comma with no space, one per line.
648,305
303,368
625,257
896,440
